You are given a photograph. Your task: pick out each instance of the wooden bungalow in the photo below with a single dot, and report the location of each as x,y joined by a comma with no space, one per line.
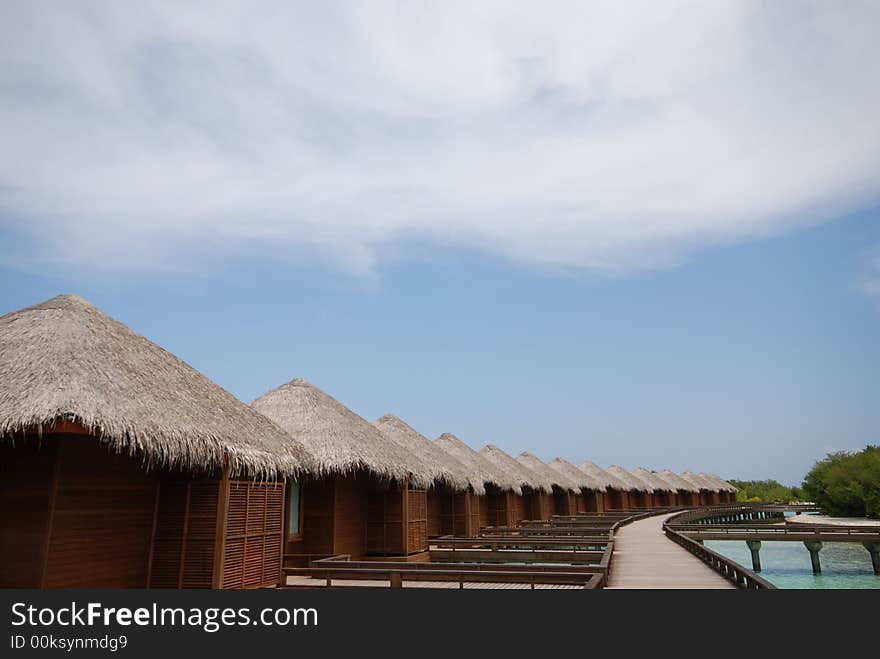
663,493
537,498
503,504
640,493
686,493
592,490
455,495
565,489
123,467
365,495
707,489
616,491
726,493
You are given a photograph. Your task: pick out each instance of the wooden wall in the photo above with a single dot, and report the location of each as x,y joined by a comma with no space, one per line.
564,502
460,514
539,504
616,499
252,541
185,534
350,515
503,508
483,510
318,496
592,501
434,500
97,519
358,515
517,508
26,475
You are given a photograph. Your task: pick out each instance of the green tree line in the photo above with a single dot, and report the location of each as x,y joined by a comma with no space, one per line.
846,483
766,491
843,484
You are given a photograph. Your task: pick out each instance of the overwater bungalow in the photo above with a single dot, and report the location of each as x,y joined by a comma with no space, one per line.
503,501
537,497
364,494
592,490
640,493
123,467
686,493
616,490
663,493
707,489
565,489
724,492
455,495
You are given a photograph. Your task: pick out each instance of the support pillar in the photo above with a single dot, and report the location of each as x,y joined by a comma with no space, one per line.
755,548
874,549
813,546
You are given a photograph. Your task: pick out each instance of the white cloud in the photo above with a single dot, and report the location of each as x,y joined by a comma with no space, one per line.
605,135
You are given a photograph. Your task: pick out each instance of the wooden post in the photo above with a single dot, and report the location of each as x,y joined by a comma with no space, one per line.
755,549
813,547
50,517
874,549
183,537
404,516
153,532
220,529
396,580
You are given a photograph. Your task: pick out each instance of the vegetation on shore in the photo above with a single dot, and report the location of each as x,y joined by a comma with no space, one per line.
846,484
768,491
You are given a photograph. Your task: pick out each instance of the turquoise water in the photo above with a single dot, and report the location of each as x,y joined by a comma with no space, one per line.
787,564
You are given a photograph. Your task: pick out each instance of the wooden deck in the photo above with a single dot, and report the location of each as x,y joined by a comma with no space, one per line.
296,581
645,558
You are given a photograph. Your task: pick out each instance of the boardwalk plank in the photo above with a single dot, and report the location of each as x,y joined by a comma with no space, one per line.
645,558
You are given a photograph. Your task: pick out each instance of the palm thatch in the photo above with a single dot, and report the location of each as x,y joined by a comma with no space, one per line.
720,484
341,441
634,482
677,481
524,476
541,468
583,479
66,360
443,466
653,479
481,469
697,481
606,478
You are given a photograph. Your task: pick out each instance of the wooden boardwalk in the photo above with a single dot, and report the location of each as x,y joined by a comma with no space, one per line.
310,582
645,558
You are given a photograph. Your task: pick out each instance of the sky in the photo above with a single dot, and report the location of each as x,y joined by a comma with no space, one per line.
642,235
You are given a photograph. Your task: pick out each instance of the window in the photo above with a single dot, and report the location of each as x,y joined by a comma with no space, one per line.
293,508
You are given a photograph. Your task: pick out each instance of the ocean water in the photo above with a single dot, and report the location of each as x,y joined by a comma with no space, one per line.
787,564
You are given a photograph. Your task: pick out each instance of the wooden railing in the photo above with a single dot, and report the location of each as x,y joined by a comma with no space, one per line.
590,545
731,570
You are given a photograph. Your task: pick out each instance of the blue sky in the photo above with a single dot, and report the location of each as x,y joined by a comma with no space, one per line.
639,238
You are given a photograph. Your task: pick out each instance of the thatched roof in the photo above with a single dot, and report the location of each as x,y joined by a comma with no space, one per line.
444,467
677,481
524,476
730,487
556,478
340,440
583,479
606,478
65,359
634,482
698,481
652,479
720,485
481,468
